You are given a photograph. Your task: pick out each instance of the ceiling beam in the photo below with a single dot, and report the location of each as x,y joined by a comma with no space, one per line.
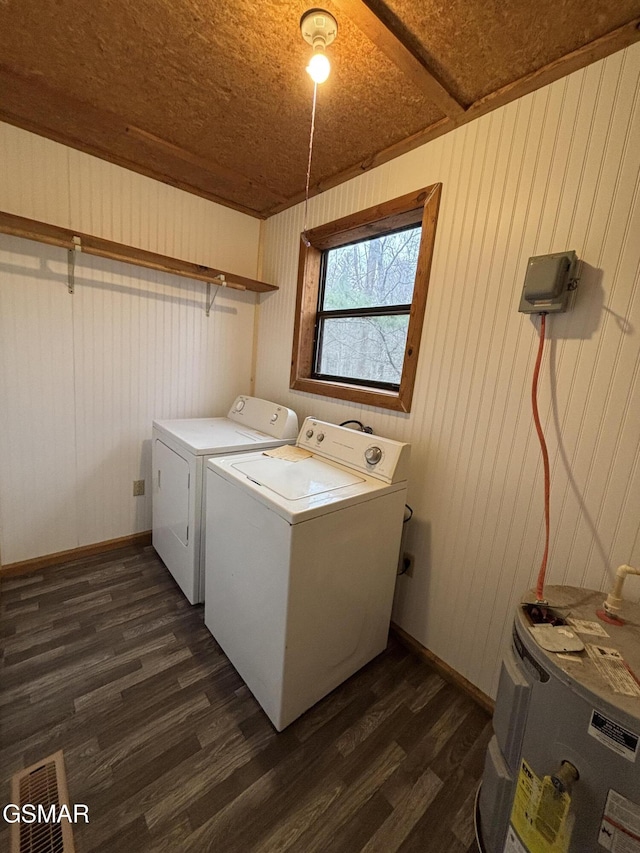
594,51
201,162
402,57
26,94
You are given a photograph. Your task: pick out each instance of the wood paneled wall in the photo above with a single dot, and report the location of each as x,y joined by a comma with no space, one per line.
82,376
556,170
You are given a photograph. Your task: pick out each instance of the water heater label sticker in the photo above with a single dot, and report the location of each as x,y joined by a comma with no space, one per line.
614,736
540,820
620,827
612,667
583,626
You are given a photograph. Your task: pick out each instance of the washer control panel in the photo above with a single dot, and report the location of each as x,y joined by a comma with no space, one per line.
379,457
373,454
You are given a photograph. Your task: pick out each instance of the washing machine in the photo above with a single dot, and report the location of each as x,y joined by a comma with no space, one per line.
562,773
301,561
179,450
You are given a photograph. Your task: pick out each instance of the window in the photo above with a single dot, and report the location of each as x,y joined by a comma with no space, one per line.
362,289
365,295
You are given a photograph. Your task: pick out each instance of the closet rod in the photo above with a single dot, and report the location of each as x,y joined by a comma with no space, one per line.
43,232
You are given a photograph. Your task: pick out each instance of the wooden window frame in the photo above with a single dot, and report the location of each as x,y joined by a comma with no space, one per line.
411,209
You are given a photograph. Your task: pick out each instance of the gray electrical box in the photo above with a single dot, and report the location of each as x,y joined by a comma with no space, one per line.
547,283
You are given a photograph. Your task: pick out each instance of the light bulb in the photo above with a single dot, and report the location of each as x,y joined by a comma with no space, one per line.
318,68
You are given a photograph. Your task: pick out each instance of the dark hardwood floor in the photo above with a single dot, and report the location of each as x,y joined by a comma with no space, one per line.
105,659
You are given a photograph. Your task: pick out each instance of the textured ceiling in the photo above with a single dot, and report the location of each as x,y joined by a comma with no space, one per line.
212,96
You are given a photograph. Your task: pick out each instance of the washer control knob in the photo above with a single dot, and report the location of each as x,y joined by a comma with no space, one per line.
320,436
373,455
274,417
309,433
239,405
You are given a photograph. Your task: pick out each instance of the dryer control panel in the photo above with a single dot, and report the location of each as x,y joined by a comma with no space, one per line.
379,457
270,418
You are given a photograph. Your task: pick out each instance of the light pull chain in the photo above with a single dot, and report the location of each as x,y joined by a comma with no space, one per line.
306,193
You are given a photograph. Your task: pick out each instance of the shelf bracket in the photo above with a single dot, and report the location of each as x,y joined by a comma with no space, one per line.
220,281
71,262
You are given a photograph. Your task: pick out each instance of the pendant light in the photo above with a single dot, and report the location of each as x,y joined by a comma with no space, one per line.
319,28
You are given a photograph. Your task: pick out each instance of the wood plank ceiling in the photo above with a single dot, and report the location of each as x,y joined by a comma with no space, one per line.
211,95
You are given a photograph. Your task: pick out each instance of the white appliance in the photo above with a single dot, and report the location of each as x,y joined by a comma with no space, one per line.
179,451
559,713
301,562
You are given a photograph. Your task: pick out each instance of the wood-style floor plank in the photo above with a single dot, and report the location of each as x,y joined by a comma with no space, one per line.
105,659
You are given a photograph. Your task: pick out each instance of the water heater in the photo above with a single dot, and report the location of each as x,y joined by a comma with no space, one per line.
562,773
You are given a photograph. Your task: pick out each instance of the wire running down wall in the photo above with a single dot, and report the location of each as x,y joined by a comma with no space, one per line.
557,170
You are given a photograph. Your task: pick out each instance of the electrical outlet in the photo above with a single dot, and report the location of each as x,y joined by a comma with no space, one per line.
407,564
138,488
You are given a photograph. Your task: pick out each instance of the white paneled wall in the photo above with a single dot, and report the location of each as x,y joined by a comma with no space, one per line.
556,170
37,423
43,180
83,375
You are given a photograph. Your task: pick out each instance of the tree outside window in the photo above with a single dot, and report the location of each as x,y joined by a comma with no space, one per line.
364,306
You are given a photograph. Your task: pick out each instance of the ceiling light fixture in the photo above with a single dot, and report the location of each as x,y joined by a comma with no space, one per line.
319,28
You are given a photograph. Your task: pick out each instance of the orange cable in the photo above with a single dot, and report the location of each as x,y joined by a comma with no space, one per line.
545,460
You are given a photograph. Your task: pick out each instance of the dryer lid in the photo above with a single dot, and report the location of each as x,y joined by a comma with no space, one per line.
209,436
296,480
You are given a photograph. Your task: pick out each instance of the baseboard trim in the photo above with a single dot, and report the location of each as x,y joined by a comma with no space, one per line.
443,669
37,563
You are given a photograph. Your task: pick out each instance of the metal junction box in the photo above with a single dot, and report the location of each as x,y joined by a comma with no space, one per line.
547,283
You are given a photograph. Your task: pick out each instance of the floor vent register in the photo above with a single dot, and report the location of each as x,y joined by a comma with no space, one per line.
43,784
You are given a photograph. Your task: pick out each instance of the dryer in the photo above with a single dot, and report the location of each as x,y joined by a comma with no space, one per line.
179,451
301,561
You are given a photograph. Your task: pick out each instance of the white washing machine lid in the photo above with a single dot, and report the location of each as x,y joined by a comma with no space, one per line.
296,480
298,491
208,436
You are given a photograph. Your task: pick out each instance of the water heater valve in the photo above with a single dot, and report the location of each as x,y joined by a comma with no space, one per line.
613,602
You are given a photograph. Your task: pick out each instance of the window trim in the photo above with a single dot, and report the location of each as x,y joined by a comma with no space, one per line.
411,209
